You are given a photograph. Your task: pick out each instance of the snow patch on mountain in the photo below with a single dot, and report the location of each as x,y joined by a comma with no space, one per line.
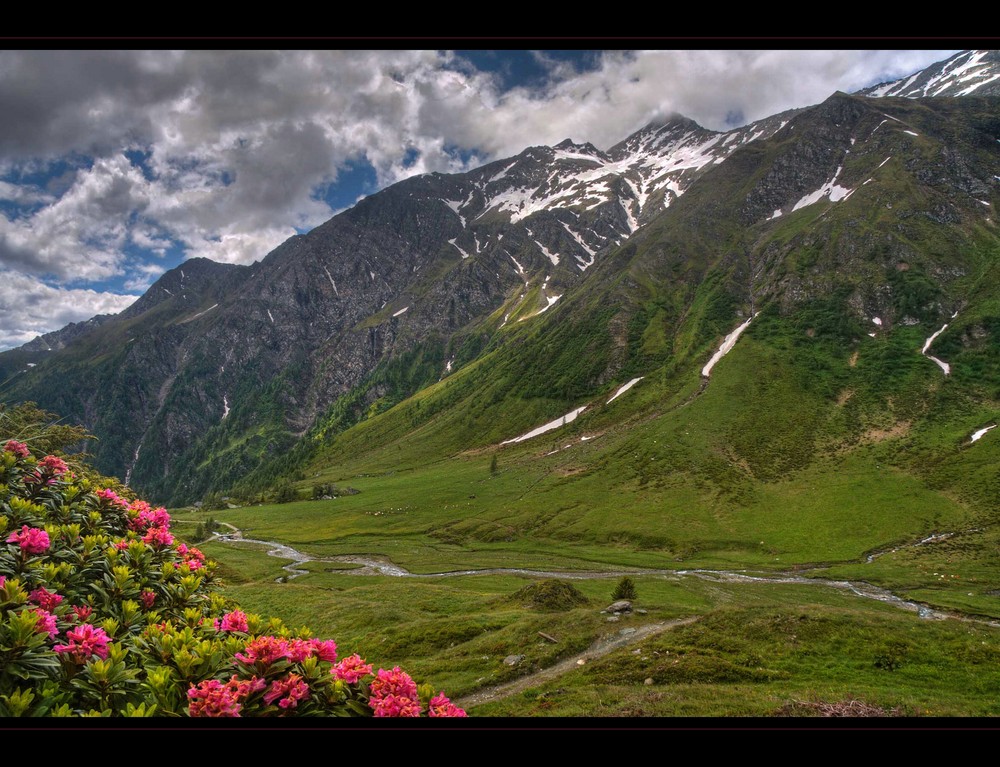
551,300
551,425
331,281
456,205
974,86
501,174
727,344
206,311
579,241
553,257
624,388
632,223
458,247
979,434
830,189
927,345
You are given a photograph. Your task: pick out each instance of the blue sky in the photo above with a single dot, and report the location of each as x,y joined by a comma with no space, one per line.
115,166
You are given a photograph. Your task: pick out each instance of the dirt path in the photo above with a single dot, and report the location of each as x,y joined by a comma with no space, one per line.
601,647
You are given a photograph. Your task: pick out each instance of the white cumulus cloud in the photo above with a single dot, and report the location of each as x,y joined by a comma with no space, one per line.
30,307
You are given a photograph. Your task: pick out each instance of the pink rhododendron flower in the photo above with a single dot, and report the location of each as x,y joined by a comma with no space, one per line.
46,622
84,642
234,621
158,536
212,698
32,540
110,495
244,687
396,682
395,705
148,598
193,558
351,669
264,650
324,649
52,465
193,555
47,470
47,600
291,690
299,650
147,517
3,580
82,611
441,706
17,448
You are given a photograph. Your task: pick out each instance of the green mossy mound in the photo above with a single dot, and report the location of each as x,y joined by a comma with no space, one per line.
552,594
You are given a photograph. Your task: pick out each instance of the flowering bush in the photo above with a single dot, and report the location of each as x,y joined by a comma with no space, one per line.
102,613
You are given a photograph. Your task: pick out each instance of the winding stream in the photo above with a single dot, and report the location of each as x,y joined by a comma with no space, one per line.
371,566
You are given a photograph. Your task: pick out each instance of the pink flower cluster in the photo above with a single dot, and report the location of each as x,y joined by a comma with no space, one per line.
82,612
48,470
265,650
234,621
52,465
146,517
193,557
351,669
17,448
47,600
32,540
110,495
148,598
158,536
84,642
46,622
441,706
394,693
324,649
212,698
291,690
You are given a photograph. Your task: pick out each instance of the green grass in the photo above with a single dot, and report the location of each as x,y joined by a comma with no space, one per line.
756,658
757,647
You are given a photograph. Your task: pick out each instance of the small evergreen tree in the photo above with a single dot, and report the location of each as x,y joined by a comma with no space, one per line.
493,466
624,590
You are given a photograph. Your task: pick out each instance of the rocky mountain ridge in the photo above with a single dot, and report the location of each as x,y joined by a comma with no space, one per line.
224,368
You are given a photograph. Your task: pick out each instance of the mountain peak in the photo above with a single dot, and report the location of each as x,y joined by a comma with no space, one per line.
192,277
969,73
